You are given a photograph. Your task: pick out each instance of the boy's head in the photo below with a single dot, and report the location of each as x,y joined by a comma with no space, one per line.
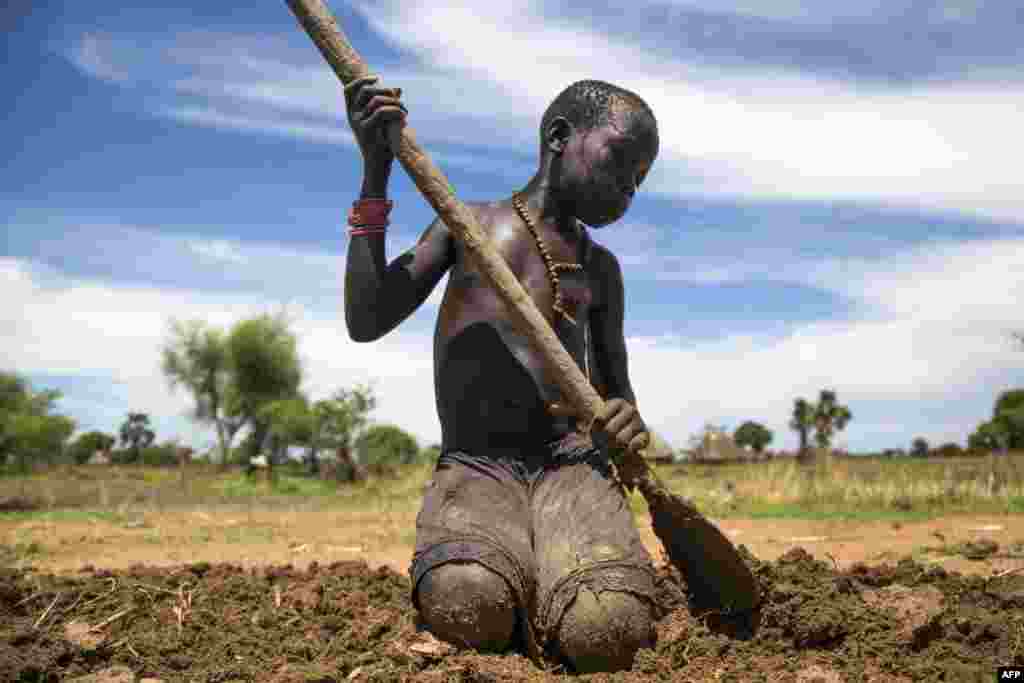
602,140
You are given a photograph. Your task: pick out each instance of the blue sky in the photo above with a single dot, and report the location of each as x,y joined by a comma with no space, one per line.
836,203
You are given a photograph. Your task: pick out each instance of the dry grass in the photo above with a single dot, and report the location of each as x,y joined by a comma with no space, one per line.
869,488
879,487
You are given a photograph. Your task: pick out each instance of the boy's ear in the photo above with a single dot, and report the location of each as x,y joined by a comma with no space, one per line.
557,135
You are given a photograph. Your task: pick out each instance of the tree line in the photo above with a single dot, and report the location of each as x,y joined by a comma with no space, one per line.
244,381
248,378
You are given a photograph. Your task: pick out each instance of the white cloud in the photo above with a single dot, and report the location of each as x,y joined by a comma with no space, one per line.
109,335
768,134
927,349
725,131
214,118
930,336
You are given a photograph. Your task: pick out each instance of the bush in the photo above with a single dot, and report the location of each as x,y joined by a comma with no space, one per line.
948,450
387,445
87,444
164,455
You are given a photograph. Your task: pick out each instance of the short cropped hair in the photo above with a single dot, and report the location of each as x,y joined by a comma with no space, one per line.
590,104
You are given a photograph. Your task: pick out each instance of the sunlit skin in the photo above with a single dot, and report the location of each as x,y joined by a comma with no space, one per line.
490,383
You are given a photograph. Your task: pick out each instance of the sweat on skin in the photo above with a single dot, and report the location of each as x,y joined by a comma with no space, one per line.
524,537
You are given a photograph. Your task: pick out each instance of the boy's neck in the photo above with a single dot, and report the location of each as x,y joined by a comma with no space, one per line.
540,200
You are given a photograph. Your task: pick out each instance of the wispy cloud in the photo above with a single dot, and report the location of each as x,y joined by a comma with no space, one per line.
891,43
211,117
274,272
749,128
780,132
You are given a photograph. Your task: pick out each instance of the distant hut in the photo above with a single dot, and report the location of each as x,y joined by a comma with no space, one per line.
100,457
658,450
716,446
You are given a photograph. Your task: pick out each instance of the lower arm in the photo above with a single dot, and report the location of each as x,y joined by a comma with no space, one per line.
375,181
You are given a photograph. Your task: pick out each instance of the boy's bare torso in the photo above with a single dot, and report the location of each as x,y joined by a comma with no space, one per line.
491,385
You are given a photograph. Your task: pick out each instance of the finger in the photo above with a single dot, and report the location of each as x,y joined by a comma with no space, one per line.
561,409
354,87
619,421
367,93
624,436
639,442
388,114
379,100
609,409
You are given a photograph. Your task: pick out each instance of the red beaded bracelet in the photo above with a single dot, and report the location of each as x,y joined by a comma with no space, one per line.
369,212
367,230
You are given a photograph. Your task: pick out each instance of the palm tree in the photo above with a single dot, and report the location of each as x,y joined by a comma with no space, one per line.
136,434
829,417
802,421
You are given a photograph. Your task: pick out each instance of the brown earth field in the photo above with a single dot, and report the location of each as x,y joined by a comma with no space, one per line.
868,605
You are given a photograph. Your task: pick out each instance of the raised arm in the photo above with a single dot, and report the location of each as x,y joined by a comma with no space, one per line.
379,295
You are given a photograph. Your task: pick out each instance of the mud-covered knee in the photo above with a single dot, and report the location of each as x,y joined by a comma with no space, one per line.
469,605
603,631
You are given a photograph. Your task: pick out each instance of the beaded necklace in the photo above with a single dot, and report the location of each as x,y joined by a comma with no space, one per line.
552,266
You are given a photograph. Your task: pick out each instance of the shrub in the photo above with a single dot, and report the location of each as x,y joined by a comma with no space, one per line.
164,455
949,450
387,445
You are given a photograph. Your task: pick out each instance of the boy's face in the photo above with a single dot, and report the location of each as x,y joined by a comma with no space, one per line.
602,168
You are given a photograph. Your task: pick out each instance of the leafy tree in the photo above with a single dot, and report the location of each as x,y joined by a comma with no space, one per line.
829,417
753,434
29,428
801,422
88,443
163,455
386,445
265,367
327,424
136,434
1009,412
993,435
195,357
919,448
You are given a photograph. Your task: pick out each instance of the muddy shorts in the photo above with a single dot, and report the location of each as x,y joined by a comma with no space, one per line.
548,521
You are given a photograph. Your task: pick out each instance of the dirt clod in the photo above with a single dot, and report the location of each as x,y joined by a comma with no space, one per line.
114,674
18,504
344,621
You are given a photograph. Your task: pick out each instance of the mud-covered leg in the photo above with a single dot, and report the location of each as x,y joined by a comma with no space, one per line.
468,605
595,579
603,631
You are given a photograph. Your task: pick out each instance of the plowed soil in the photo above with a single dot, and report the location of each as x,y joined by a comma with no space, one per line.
346,621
